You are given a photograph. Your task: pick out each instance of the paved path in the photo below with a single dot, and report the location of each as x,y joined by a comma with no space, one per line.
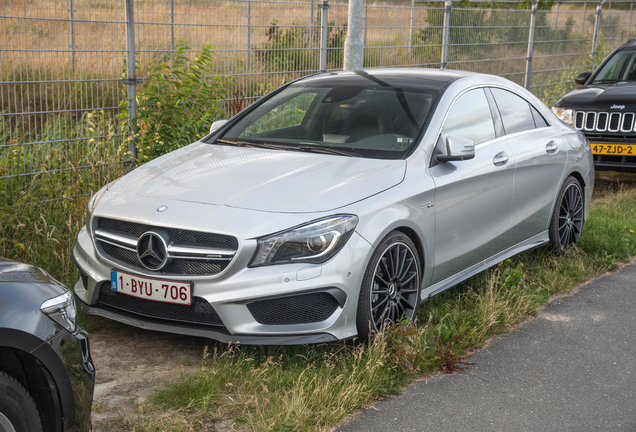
572,369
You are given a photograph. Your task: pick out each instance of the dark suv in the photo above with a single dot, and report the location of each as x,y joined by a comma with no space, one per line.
47,375
604,109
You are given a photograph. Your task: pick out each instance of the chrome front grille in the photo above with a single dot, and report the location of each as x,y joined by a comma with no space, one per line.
188,252
592,121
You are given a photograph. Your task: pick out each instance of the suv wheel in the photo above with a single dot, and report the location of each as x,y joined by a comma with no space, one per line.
18,412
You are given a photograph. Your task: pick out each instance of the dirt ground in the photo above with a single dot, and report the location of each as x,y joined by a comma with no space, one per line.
130,363
133,363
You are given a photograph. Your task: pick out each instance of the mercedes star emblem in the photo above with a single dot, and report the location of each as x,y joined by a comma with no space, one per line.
152,251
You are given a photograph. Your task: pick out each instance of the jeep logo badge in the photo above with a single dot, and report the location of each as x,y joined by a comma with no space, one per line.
617,106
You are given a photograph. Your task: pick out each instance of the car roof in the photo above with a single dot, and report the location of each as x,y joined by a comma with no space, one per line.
433,79
629,46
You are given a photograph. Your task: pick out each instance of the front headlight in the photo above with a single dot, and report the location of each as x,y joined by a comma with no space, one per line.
566,115
314,242
61,309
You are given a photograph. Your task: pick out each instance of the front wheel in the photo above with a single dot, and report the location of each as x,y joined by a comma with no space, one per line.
18,412
390,288
567,219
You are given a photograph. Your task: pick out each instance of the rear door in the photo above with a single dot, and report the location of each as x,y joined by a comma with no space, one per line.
540,153
472,197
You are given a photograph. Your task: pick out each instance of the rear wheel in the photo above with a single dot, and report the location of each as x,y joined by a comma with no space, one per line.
18,412
390,289
567,219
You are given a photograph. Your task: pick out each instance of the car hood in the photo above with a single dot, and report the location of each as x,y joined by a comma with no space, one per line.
602,97
261,179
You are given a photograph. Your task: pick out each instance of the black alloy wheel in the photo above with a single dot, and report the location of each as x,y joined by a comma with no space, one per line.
567,220
390,289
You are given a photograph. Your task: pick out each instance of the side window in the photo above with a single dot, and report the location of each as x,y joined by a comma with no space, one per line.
470,118
539,121
515,111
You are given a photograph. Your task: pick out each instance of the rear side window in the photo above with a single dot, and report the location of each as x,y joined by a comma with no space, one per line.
470,118
515,111
539,121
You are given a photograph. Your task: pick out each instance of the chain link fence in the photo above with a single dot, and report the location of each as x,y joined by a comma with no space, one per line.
66,75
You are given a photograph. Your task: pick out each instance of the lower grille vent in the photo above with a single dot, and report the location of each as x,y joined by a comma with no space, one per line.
298,309
199,312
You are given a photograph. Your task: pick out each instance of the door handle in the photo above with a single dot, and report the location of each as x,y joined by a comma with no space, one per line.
500,159
551,147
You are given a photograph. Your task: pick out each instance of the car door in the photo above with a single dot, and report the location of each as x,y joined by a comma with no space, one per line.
540,153
472,197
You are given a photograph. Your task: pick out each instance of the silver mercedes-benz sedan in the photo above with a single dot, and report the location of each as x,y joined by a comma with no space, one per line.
335,203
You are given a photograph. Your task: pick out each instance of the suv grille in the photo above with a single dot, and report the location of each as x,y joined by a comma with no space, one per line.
604,121
199,312
177,266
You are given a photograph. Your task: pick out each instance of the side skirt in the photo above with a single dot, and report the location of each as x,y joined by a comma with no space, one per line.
450,282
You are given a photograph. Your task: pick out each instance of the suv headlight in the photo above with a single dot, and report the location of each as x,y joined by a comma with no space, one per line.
314,242
61,309
566,115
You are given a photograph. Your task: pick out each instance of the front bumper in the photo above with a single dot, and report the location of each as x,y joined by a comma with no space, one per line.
74,351
231,293
622,163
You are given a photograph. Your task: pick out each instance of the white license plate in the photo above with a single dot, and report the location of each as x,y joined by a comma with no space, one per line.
151,289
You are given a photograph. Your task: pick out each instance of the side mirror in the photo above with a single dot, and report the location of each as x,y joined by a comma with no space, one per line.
455,148
217,124
582,77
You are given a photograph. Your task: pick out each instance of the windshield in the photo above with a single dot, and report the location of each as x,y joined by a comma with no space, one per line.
620,67
373,121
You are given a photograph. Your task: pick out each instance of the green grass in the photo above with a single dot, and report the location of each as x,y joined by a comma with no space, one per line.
311,388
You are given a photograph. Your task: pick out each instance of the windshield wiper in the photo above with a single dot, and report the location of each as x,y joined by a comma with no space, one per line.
252,144
325,150
608,81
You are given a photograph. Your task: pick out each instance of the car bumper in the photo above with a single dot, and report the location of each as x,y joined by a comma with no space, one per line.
237,293
74,350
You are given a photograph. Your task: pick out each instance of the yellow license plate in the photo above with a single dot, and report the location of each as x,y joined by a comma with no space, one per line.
614,149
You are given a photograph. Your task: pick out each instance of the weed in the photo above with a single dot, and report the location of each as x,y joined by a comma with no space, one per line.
446,352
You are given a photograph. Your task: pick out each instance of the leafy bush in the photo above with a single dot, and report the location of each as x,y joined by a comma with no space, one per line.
286,50
177,103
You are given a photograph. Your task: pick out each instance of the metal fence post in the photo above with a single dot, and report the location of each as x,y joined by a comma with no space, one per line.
72,12
249,32
311,25
556,21
533,24
172,46
448,5
631,11
411,28
131,74
353,46
324,17
596,30
584,15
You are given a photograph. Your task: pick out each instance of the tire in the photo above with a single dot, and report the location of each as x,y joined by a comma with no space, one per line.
390,288
18,412
566,224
